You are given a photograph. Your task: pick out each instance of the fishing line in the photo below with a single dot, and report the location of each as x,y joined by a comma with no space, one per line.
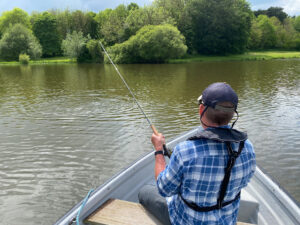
136,101
166,151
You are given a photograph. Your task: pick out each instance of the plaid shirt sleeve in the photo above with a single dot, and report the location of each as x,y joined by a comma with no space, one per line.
169,180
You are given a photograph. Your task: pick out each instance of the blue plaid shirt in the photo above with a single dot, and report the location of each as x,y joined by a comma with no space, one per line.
196,170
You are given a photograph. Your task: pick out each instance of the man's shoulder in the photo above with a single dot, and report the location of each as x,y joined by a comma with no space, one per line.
190,147
249,146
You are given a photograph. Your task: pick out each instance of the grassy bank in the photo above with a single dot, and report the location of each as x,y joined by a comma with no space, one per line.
264,55
54,60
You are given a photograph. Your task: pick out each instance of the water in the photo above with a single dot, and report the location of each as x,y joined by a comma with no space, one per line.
68,128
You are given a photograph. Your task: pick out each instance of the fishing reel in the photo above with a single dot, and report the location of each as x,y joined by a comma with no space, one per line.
167,152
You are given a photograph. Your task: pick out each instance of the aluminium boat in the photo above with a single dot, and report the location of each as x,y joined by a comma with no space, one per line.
263,201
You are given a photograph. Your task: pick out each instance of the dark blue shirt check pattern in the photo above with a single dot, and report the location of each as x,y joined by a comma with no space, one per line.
196,170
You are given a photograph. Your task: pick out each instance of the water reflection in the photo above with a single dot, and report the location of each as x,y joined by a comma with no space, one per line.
68,128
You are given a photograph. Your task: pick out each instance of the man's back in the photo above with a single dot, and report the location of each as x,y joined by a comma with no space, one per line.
196,171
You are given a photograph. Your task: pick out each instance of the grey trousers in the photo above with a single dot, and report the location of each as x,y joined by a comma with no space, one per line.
154,203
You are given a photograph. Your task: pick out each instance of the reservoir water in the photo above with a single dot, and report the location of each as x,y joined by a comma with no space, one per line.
68,128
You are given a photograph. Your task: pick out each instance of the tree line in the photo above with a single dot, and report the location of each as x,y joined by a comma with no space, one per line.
155,33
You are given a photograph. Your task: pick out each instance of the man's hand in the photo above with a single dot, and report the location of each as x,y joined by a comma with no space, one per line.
158,141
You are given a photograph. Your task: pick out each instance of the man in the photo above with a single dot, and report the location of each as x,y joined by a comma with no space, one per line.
206,173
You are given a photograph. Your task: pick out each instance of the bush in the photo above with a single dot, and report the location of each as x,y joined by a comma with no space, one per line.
84,55
24,59
95,50
151,44
74,44
18,39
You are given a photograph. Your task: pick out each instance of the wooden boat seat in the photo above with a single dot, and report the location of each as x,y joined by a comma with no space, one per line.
119,212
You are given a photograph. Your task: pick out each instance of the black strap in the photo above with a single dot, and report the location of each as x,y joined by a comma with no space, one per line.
220,202
159,152
209,208
232,158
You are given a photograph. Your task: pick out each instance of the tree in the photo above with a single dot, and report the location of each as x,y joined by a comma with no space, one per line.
151,44
92,25
111,24
172,8
149,15
19,39
84,22
268,35
45,29
272,11
15,16
216,26
132,6
74,44
255,36
277,12
63,19
260,12
297,23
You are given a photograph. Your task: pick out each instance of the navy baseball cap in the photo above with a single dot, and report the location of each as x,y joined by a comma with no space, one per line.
219,92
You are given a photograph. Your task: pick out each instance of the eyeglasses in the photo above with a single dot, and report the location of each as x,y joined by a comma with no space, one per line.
199,99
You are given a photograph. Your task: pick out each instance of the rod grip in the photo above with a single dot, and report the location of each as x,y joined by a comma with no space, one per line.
154,129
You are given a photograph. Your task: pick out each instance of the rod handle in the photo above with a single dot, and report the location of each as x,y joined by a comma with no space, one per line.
154,129
166,150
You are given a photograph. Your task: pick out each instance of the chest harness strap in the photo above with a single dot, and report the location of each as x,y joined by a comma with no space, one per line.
227,136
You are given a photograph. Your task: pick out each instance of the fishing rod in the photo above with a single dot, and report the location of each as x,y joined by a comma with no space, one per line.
166,151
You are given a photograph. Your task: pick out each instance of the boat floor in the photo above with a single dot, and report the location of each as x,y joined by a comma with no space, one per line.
120,212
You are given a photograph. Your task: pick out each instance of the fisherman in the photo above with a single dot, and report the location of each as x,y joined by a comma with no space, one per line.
205,175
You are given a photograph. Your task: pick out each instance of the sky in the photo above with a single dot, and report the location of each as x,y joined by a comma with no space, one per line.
291,7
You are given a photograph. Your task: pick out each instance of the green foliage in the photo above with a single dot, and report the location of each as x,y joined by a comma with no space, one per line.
260,12
270,33
132,6
18,39
216,26
95,50
172,8
45,29
84,55
24,59
63,19
297,23
151,44
68,21
277,12
148,15
15,16
273,11
74,44
111,24
84,22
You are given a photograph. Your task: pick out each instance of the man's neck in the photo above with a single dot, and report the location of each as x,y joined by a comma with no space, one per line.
205,124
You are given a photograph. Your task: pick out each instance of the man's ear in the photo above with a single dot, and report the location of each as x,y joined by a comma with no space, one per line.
201,109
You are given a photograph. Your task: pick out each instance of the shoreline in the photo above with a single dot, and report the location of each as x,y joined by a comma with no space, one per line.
248,56
42,61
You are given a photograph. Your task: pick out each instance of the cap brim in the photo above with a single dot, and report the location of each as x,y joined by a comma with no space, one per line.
224,108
